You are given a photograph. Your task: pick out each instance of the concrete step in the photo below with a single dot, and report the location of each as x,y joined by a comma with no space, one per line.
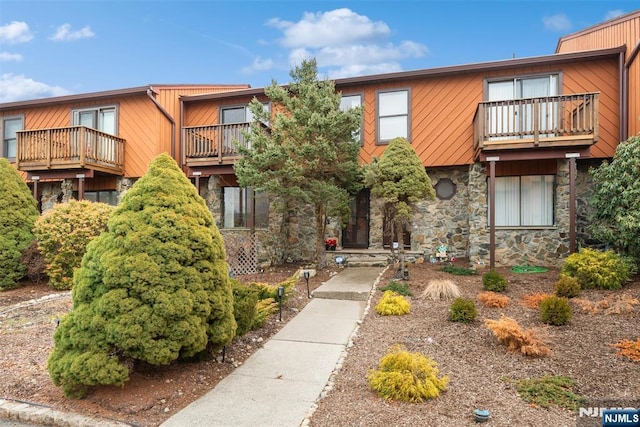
369,261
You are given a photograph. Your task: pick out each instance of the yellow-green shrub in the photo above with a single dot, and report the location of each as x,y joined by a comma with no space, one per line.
597,269
567,287
393,304
245,300
405,376
63,234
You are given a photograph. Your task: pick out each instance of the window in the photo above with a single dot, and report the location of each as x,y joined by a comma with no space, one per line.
232,135
352,101
524,200
102,119
445,189
393,115
10,125
109,197
236,208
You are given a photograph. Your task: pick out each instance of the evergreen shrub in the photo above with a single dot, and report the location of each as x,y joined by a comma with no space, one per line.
567,287
18,213
462,310
152,288
393,304
63,234
597,269
494,281
555,311
407,377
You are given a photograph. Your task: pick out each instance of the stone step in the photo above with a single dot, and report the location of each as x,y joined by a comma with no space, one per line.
375,261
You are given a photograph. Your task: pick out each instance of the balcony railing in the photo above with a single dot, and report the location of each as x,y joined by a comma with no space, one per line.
550,121
74,147
214,144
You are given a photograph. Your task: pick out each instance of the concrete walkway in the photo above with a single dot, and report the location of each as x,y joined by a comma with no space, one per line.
281,382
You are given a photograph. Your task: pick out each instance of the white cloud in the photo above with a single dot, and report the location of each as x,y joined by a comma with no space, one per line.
258,64
18,87
6,57
336,27
613,14
15,32
557,22
64,33
344,43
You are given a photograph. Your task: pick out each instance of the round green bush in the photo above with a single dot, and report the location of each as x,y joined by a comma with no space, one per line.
494,281
597,269
18,213
63,234
462,310
567,287
555,311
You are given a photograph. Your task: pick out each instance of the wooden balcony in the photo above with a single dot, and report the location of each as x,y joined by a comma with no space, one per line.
551,121
213,144
69,148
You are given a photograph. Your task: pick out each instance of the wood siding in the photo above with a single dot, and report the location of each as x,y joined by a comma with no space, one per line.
442,109
621,31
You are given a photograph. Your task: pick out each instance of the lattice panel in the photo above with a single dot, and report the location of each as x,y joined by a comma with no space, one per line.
242,253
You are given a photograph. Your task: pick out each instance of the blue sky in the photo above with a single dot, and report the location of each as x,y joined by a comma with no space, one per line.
50,48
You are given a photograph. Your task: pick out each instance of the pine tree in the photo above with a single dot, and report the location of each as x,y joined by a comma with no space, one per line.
18,213
400,179
309,153
153,288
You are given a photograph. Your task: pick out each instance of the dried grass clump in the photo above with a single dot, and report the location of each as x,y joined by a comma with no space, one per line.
613,304
525,341
408,377
393,304
493,299
441,290
533,300
629,349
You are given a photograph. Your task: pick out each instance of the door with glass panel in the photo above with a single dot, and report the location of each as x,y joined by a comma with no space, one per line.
232,135
99,147
519,107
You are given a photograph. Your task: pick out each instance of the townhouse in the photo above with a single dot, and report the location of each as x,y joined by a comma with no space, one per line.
507,145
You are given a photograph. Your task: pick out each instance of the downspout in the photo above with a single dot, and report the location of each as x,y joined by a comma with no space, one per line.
181,160
627,67
168,116
624,99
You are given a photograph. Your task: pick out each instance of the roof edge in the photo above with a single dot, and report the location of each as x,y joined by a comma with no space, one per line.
76,97
595,27
557,58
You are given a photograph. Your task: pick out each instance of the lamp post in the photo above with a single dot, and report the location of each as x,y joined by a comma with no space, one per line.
306,275
280,295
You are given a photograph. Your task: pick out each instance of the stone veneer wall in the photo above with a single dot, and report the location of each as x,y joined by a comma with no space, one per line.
298,229
462,222
544,246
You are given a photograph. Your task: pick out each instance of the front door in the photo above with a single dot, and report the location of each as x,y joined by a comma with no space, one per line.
356,233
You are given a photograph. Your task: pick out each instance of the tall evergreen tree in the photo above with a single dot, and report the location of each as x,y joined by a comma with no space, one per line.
400,180
309,153
18,213
153,288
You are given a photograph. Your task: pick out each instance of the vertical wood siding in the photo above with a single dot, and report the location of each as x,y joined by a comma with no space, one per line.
618,32
442,109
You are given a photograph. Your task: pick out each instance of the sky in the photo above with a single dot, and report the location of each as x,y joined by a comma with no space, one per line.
52,47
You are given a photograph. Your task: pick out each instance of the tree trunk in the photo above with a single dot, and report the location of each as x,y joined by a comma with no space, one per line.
400,233
320,255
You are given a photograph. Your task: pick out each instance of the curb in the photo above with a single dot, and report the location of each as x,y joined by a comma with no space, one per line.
17,410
